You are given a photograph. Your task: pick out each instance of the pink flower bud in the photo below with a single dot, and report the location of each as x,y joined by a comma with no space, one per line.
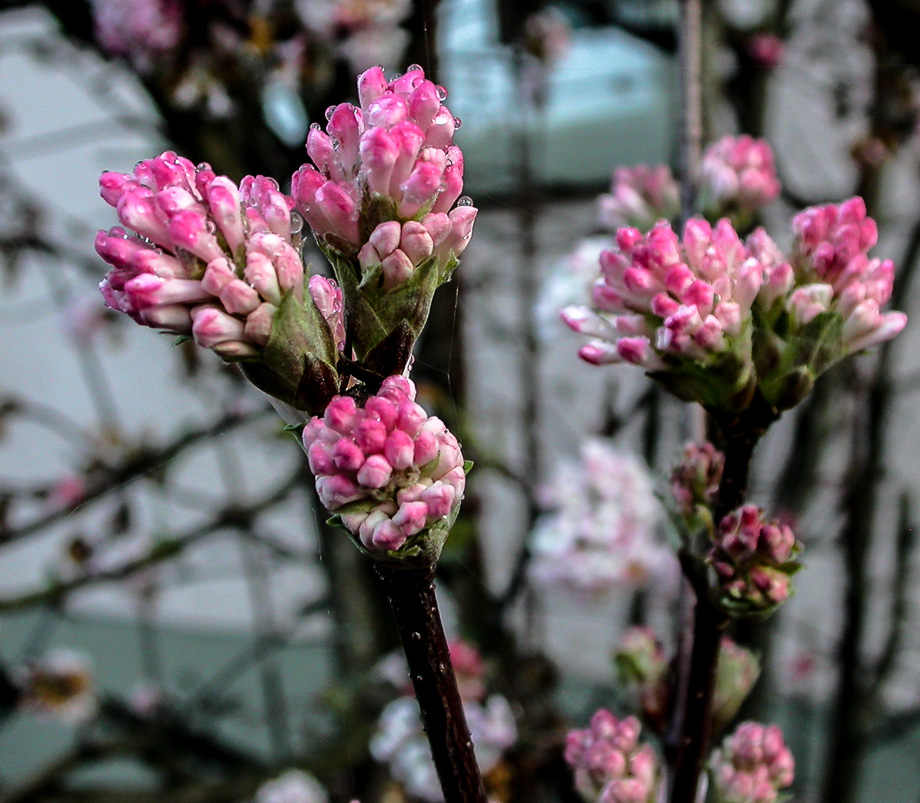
375,472
211,326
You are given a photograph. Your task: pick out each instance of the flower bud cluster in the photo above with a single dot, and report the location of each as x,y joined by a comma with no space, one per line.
209,259
391,159
834,273
600,531
640,196
717,320
752,560
214,261
737,178
388,470
610,764
695,478
752,766
678,306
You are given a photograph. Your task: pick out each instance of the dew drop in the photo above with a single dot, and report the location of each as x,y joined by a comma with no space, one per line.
211,226
416,636
335,143
418,678
273,183
329,112
296,223
457,123
396,77
315,127
464,200
414,68
417,81
441,92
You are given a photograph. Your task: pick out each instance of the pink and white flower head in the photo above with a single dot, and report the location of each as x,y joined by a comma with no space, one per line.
737,178
293,786
393,475
680,308
141,30
640,196
387,162
752,560
642,668
59,684
600,534
752,766
609,762
400,742
218,262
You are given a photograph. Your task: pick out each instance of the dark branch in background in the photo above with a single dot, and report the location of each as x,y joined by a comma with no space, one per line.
145,460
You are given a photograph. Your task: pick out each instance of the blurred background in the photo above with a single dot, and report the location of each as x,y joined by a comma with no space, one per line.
176,621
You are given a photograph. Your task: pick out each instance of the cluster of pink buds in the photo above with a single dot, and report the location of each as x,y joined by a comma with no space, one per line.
834,273
642,667
753,560
391,159
695,478
737,178
393,476
679,308
219,262
716,320
752,766
610,764
640,196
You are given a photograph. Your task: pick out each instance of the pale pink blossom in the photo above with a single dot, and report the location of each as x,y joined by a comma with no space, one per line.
737,178
753,765
400,742
391,472
140,30
600,531
640,196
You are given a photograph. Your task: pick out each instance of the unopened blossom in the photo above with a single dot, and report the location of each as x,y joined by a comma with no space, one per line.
737,178
400,742
391,159
695,478
140,30
753,765
293,786
640,196
826,301
752,561
642,668
59,684
609,762
382,195
393,474
600,532
201,257
680,308
737,670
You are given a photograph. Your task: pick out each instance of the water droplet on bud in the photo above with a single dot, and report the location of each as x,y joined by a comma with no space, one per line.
329,112
414,68
457,123
441,92
464,200
315,127
296,223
